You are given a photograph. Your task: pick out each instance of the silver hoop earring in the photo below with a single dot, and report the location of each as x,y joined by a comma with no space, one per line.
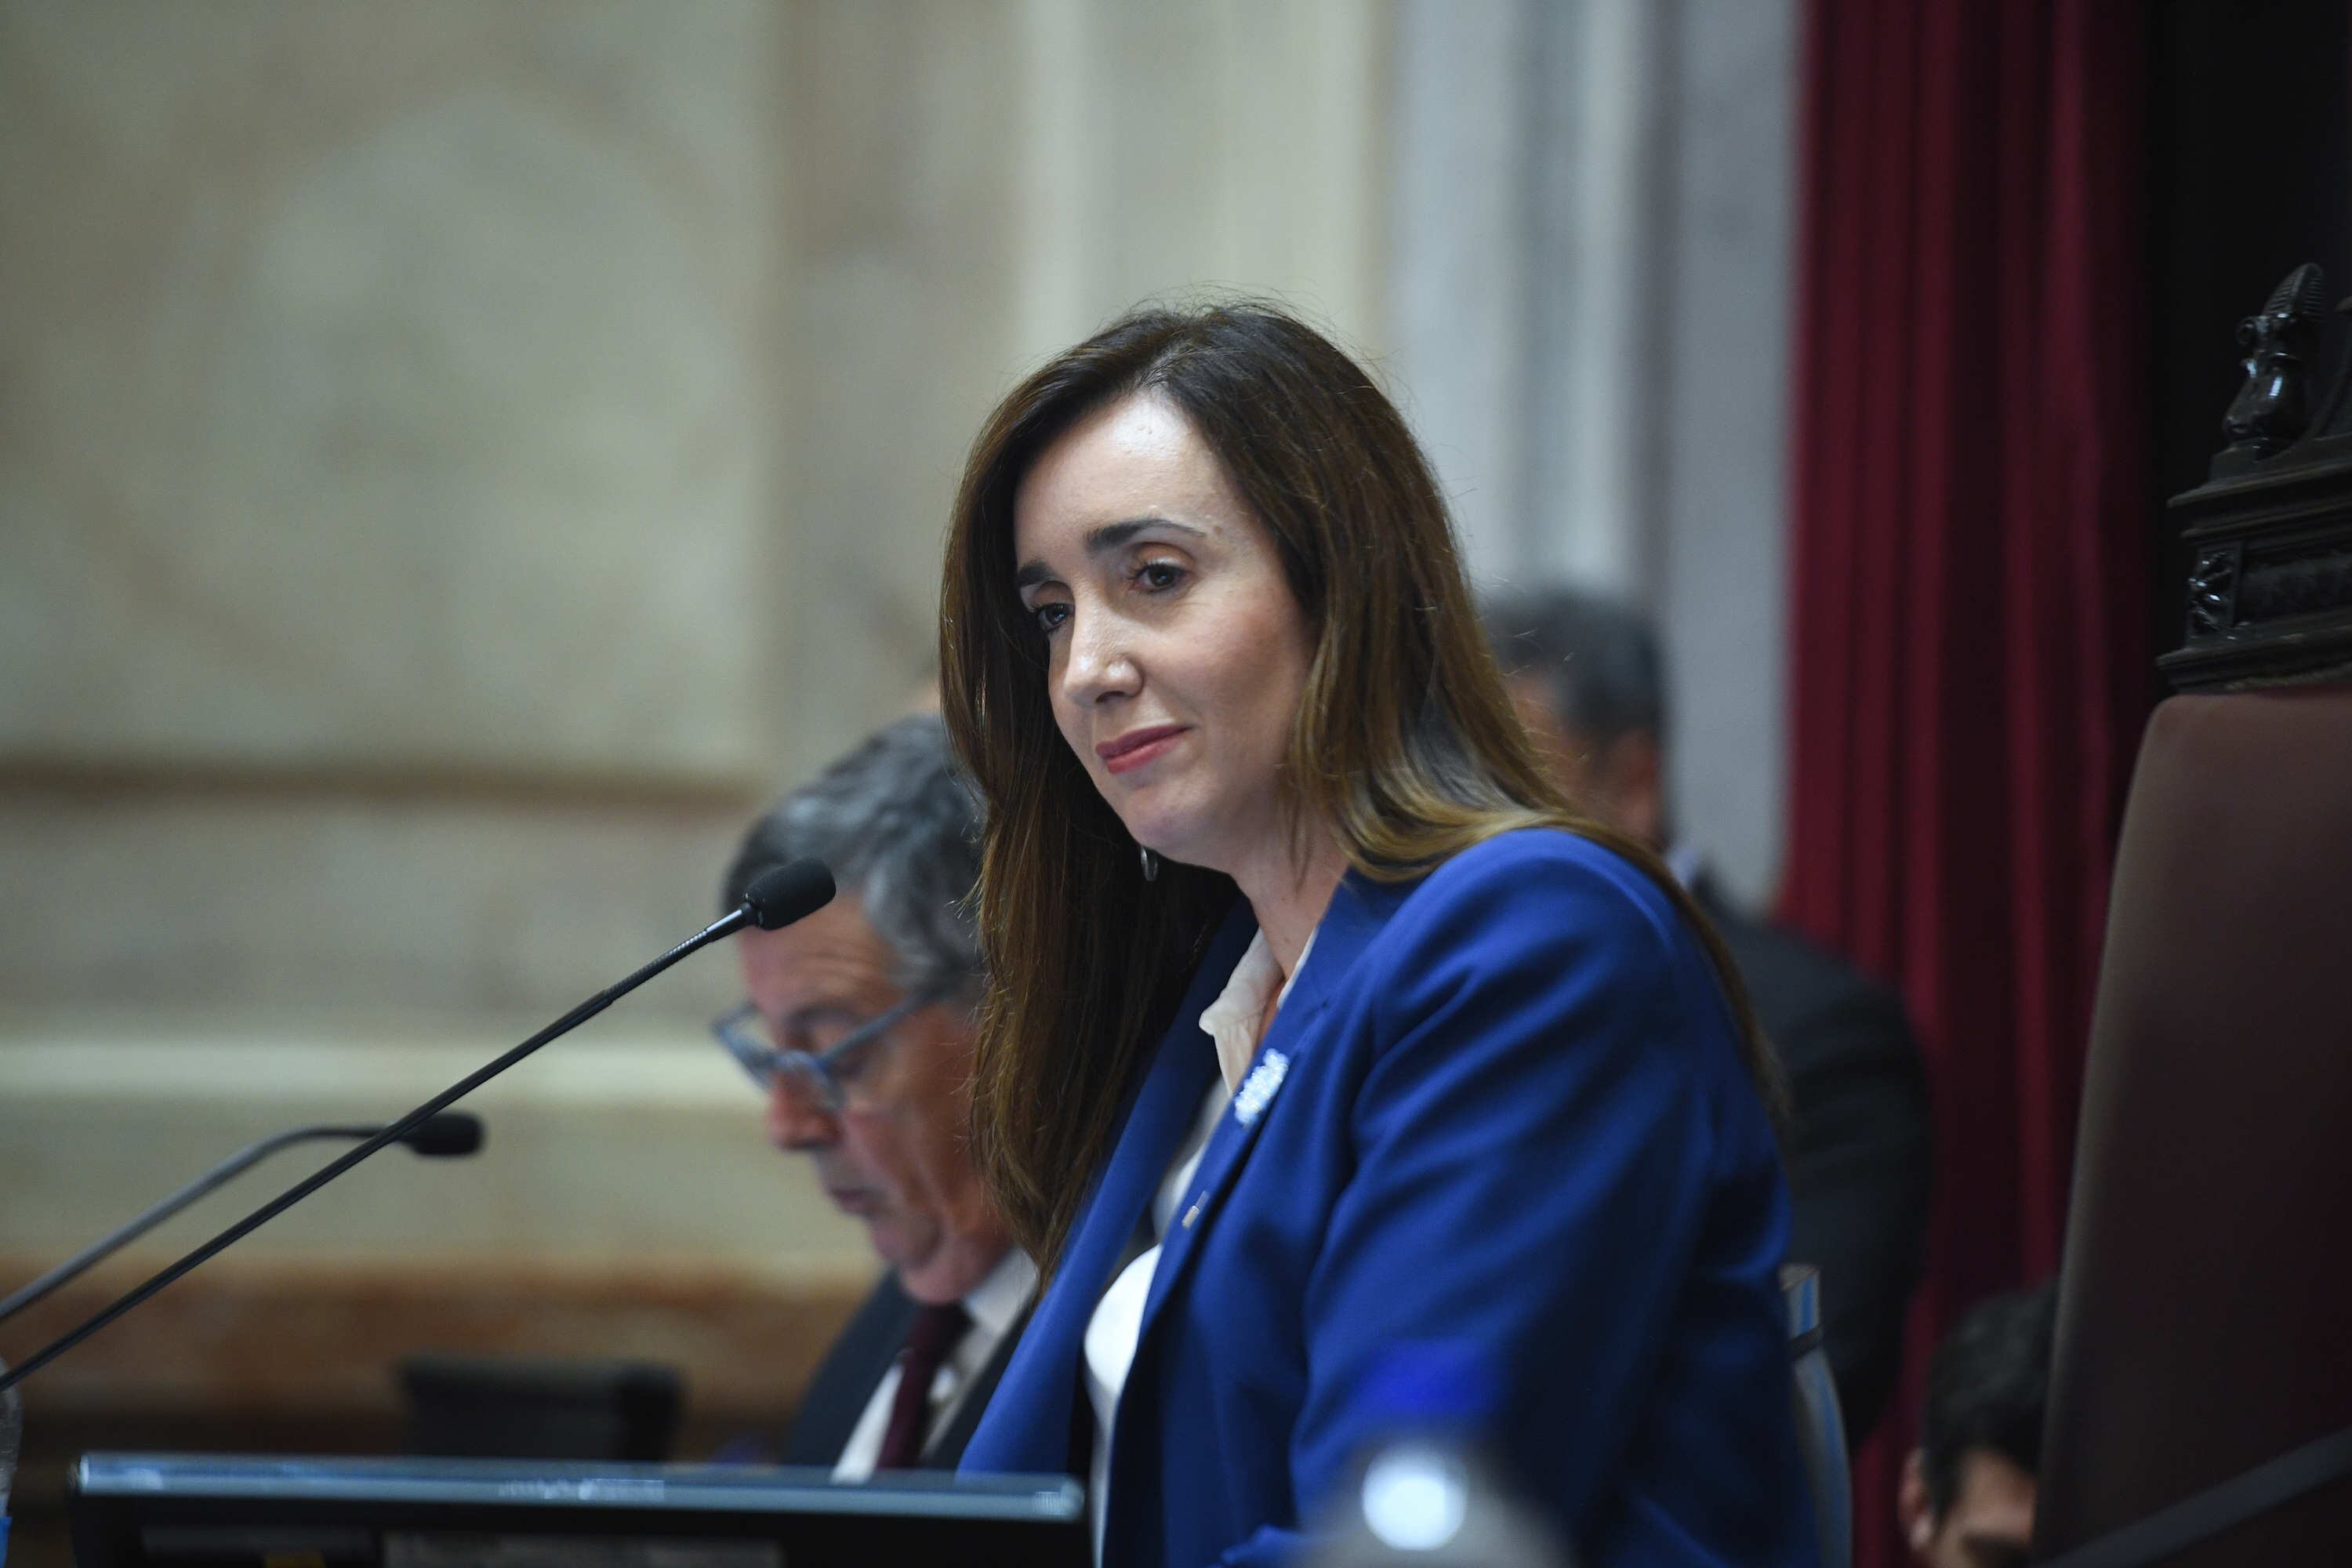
1150,864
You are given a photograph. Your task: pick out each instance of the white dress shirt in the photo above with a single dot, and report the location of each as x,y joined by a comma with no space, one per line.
1233,1022
995,1305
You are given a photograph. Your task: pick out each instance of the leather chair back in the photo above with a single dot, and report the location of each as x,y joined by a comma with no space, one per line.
2205,1303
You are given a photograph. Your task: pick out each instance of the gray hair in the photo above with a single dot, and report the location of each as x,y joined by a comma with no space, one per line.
899,829
1597,656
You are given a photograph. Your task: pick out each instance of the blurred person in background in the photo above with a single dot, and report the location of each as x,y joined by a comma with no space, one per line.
1587,676
1968,1489
858,1025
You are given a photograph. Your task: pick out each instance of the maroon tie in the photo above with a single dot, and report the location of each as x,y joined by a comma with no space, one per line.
935,1332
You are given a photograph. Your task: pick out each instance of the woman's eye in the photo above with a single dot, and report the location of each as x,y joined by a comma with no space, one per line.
1158,576
1050,616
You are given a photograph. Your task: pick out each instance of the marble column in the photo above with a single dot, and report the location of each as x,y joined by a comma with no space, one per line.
1588,298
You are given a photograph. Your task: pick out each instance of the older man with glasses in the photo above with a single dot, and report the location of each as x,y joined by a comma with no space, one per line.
858,1026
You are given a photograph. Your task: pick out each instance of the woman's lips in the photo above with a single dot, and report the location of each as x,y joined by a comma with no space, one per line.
1132,750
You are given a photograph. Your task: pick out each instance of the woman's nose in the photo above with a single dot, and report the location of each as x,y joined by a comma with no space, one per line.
1099,665
797,1119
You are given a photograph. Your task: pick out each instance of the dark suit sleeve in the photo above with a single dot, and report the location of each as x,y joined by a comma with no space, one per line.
1859,1152
1858,1165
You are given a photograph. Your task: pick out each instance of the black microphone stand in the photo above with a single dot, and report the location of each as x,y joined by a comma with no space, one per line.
447,1138
775,898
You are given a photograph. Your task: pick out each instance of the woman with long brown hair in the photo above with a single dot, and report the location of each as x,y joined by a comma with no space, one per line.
1319,1027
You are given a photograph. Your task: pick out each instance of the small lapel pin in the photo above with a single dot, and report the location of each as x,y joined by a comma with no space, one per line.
1257,1089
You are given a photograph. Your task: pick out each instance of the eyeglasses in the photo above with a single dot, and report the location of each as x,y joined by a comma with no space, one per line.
831,1073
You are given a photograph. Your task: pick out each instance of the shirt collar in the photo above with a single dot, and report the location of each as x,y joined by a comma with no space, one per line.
1232,1019
996,1301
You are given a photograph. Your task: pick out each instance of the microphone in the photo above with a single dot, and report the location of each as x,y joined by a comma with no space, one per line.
777,898
452,1133
774,900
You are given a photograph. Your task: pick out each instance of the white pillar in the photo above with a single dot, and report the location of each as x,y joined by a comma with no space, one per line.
1590,230
1726,311
1458,260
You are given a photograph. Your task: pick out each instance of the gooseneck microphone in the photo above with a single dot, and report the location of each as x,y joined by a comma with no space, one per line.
451,1133
775,898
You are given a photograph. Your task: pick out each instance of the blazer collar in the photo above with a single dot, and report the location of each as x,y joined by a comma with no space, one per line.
1358,910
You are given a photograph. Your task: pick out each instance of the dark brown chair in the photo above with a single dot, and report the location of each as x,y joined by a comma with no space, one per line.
2205,1306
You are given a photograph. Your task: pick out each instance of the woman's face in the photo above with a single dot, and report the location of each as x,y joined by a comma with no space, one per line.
1177,655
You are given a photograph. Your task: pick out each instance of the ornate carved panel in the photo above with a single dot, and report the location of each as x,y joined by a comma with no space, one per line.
2269,590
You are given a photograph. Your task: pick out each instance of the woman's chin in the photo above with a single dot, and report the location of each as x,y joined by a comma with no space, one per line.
1170,836
1181,833
1154,830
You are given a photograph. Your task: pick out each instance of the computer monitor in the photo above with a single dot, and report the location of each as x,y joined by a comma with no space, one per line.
195,1510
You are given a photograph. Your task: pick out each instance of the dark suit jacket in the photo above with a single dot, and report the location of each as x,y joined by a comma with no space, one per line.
853,1368
1859,1154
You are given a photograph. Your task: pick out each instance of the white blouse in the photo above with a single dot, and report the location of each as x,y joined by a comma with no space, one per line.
1232,1021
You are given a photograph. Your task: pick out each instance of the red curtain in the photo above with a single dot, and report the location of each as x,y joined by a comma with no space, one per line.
1970,570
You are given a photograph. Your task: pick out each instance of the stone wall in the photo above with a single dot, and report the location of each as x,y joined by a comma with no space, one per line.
457,462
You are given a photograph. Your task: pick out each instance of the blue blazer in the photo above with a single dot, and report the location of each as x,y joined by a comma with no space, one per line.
1511,1111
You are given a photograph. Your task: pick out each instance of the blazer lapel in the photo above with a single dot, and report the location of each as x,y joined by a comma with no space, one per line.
1035,1398
1222,1160
1358,910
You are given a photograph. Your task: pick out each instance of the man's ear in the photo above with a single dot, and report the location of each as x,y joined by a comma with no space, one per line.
1911,1504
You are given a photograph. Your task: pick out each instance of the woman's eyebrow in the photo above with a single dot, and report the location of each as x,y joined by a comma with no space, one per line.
1109,536
1101,539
